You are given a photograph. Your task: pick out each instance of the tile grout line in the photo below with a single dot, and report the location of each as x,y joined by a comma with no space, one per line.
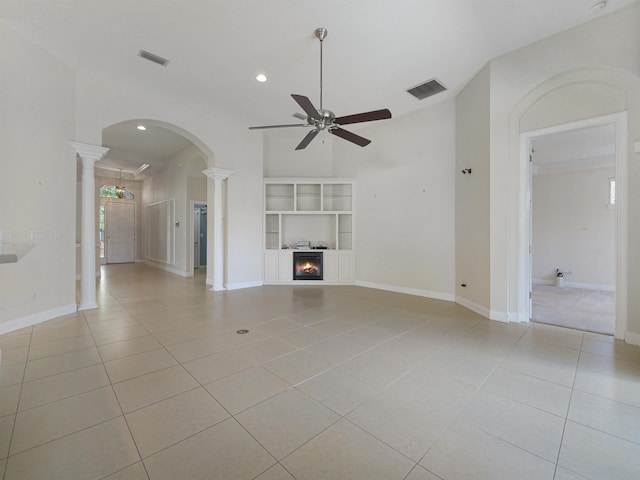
15,415
566,419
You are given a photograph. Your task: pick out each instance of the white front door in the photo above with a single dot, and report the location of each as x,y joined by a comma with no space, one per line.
120,227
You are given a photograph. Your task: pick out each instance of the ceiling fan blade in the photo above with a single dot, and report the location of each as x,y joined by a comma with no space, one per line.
280,126
364,117
300,116
352,137
307,106
307,139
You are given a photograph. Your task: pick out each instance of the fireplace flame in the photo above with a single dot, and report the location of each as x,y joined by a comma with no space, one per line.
308,268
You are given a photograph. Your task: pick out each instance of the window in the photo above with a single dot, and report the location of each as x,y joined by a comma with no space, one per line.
110,192
612,191
101,231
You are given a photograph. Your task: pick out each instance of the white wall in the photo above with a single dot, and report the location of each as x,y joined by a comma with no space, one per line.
573,228
472,194
405,201
37,181
281,159
171,183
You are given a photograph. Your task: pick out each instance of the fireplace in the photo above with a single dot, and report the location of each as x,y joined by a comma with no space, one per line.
307,265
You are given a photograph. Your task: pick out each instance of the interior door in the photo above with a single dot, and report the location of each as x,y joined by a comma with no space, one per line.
196,237
120,227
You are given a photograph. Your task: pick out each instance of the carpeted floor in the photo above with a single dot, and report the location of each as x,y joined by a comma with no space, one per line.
581,309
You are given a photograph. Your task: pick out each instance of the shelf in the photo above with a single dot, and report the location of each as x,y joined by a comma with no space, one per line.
279,197
337,197
308,197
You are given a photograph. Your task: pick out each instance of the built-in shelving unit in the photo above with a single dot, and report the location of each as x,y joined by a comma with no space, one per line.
319,211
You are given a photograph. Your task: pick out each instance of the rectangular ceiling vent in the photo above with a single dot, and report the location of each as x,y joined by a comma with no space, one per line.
153,58
427,89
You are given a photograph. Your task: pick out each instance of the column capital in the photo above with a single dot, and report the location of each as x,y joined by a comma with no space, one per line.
89,152
216,173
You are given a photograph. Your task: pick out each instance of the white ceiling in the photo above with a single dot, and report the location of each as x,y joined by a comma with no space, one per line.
590,147
374,51
129,148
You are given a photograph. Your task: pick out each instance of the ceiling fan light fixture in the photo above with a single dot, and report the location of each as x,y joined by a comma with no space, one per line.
120,188
261,77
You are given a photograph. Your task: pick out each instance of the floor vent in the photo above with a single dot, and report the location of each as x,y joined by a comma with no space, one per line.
427,89
153,58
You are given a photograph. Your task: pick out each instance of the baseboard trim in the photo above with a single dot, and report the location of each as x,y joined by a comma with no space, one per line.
474,307
36,318
168,268
409,291
242,285
632,337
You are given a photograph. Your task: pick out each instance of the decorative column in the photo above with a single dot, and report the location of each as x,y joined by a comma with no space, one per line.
89,155
218,175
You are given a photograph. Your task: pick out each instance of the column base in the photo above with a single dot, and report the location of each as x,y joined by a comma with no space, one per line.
88,306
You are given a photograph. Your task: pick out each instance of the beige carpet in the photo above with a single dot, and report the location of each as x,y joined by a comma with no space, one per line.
581,309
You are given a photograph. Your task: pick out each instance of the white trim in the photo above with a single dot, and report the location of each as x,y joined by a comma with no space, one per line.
167,267
621,126
30,320
474,307
220,173
241,285
409,291
632,337
500,316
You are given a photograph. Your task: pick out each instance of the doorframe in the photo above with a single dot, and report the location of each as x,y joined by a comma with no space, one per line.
619,120
192,206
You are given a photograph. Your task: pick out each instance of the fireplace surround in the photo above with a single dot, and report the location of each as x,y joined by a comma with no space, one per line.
307,265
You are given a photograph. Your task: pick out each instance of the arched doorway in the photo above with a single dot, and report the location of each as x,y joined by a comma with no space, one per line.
166,164
586,94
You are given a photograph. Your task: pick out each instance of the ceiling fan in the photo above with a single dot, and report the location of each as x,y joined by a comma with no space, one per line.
321,119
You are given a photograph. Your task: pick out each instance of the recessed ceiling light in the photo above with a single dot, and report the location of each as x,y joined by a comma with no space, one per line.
141,127
261,77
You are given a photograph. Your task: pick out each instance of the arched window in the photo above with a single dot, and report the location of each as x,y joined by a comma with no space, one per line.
112,191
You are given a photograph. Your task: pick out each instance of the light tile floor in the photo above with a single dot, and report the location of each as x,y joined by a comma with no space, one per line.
329,383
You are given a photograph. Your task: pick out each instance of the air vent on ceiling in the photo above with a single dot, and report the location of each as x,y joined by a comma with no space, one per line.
153,58
427,89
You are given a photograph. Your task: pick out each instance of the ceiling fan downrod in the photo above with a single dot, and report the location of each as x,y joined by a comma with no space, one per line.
321,33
